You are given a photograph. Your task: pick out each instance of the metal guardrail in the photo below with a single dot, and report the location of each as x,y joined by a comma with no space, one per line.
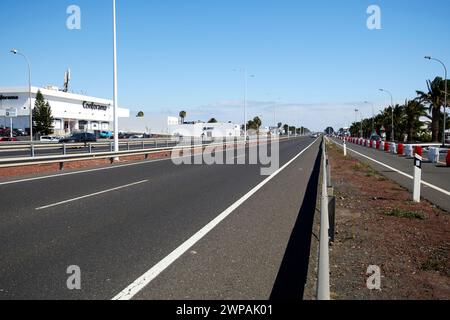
61,159
327,216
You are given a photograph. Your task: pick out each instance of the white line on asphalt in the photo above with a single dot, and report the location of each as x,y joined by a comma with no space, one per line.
133,289
398,171
91,195
92,170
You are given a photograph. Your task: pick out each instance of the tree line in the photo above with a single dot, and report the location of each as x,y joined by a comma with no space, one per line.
420,119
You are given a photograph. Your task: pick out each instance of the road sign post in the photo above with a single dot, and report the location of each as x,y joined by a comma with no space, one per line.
11,113
417,177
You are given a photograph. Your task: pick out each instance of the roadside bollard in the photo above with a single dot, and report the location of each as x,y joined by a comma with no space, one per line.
378,145
386,146
418,150
393,148
382,144
448,159
345,149
64,149
32,150
409,151
417,177
433,155
400,149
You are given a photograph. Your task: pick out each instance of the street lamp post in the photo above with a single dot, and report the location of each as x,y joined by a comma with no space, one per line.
392,106
115,93
356,118
16,52
373,116
445,93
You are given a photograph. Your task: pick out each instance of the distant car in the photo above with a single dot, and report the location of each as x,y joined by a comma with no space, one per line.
79,138
8,139
375,137
50,139
18,132
315,135
106,134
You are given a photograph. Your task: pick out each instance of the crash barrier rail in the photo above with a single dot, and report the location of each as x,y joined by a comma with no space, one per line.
62,159
32,148
407,150
327,229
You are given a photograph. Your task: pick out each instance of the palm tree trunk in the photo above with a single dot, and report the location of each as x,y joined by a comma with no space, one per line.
435,124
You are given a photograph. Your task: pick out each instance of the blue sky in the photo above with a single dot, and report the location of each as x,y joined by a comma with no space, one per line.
313,61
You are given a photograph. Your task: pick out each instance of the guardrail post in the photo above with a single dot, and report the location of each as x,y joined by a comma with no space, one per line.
417,177
332,215
128,146
345,149
32,150
90,148
61,166
143,145
64,149
112,146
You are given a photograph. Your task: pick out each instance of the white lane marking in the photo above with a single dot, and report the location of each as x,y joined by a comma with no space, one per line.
92,170
133,289
91,195
398,171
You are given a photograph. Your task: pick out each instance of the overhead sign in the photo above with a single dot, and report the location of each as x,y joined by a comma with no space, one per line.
94,106
2,97
11,113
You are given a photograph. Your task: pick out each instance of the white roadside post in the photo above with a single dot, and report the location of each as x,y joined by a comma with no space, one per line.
417,177
345,148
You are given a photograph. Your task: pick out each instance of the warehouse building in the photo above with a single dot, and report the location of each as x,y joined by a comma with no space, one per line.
72,112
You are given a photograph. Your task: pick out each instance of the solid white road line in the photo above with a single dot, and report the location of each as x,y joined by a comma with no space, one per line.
396,170
93,170
91,195
133,289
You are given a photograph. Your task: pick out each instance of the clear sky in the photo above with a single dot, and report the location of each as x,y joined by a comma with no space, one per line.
313,61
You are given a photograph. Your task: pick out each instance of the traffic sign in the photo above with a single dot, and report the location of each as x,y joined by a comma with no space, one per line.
11,113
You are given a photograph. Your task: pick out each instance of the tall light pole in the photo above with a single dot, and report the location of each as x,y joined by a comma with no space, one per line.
246,76
373,115
445,92
16,52
115,102
392,106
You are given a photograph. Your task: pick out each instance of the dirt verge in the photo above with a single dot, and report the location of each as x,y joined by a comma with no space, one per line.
377,224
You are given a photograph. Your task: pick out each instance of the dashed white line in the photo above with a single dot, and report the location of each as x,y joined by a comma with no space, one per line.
144,280
90,195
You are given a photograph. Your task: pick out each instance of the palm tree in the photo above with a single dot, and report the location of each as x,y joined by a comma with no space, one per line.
212,120
414,110
183,115
434,98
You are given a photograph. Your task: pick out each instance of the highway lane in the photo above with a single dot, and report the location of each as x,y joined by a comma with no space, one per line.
113,236
437,175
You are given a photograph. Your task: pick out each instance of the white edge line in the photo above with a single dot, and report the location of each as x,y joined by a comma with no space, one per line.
91,195
133,289
396,170
93,170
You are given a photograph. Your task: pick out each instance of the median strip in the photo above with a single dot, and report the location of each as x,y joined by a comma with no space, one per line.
90,195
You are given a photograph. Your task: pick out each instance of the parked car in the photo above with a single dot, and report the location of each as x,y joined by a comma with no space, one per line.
79,138
106,134
8,139
50,139
18,132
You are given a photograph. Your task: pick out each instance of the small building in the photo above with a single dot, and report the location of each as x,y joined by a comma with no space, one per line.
72,112
152,124
206,130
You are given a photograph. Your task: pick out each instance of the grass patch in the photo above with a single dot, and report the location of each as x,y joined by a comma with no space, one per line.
434,264
400,213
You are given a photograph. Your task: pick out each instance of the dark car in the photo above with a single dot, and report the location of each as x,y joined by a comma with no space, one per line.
8,139
80,138
375,137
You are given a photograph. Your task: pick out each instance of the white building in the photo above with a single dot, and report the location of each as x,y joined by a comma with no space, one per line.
152,124
206,130
72,112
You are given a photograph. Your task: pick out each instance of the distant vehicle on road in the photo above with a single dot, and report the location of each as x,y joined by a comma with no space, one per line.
79,138
8,139
375,137
315,135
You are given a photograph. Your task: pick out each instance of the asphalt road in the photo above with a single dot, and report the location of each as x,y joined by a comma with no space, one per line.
122,221
437,175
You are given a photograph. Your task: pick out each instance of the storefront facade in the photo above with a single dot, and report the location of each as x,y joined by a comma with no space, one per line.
72,112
